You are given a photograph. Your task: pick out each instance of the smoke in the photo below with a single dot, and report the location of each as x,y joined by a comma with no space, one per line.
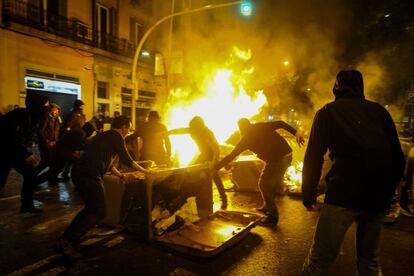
297,47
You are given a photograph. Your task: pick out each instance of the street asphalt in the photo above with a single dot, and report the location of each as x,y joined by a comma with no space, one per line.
26,242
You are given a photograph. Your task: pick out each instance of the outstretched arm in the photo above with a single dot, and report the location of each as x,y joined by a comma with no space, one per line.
281,124
236,151
178,131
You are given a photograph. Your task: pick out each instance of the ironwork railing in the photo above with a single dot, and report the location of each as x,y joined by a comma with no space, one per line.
36,17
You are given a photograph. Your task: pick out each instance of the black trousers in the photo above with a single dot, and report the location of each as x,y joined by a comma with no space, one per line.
28,173
93,195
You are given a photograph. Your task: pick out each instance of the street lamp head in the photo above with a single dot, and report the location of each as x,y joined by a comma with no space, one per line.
246,8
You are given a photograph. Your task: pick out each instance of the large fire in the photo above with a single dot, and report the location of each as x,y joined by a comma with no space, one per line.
222,104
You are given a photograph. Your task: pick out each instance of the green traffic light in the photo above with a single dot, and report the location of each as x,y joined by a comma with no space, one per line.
246,8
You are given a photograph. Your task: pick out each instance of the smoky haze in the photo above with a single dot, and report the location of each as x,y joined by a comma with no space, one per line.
297,48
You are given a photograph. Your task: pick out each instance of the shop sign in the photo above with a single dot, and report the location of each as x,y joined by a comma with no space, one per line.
52,85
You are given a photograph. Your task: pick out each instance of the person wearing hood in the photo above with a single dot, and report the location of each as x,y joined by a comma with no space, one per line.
368,165
262,139
209,150
18,127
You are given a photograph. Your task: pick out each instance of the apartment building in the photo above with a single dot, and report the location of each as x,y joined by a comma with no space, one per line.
79,49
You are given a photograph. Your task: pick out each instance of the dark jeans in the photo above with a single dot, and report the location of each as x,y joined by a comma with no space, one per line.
219,185
29,178
271,182
334,222
202,158
93,195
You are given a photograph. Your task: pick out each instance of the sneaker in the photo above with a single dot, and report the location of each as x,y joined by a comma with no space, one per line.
66,248
30,209
269,220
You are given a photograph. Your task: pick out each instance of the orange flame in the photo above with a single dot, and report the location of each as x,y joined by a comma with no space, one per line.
224,102
294,174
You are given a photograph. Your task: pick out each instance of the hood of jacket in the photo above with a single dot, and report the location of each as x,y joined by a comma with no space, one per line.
349,84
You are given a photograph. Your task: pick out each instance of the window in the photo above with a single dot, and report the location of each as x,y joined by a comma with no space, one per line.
102,19
104,108
102,24
103,90
56,12
136,31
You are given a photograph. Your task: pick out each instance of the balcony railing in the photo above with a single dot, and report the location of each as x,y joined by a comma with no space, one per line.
35,17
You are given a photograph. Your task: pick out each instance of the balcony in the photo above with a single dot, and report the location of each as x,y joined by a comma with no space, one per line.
22,13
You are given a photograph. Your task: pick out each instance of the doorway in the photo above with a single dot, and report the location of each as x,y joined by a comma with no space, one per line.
65,101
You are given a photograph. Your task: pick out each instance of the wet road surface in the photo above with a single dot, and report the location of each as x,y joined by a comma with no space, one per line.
26,242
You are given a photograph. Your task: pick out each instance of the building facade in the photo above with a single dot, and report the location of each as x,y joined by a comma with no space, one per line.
79,49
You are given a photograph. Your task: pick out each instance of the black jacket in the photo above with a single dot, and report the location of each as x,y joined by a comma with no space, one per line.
16,129
18,126
100,153
363,145
48,129
263,140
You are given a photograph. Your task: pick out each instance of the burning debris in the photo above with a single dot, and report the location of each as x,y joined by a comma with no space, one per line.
164,221
293,178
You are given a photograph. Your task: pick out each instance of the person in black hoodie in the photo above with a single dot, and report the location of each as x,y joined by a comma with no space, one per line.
17,128
209,150
368,164
272,148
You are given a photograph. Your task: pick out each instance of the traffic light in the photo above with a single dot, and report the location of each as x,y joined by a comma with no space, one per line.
246,8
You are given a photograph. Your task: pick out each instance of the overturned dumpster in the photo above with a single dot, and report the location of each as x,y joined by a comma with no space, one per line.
175,207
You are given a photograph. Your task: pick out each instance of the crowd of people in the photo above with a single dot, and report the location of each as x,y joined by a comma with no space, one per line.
60,143
358,134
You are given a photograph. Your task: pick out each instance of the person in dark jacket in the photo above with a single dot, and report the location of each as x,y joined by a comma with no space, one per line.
156,145
272,148
17,128
76,118
68,151
72,128
48,133
368,164
209,150
87,176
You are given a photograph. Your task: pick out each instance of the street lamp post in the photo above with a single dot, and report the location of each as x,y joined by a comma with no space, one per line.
145,36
